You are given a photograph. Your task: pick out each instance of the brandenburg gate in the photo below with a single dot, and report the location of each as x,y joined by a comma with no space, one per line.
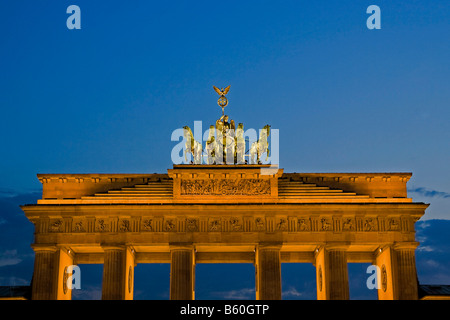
225,213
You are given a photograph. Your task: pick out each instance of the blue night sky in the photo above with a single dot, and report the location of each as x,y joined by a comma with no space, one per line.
106,98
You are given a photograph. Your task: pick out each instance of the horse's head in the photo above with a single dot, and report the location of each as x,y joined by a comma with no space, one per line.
267,128
187,131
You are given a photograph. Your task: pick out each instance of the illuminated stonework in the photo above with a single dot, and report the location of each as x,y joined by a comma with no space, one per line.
225,214
225,187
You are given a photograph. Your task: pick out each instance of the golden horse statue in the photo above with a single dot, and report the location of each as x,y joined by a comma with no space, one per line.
225,138
192,146
212,147
260,146
240,145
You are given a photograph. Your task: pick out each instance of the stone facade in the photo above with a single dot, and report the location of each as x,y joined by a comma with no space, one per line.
225,213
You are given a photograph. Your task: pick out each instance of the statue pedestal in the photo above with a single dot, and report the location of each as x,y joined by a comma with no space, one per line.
225,183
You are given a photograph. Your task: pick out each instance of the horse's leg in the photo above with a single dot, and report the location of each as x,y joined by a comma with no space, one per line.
197,154
252,154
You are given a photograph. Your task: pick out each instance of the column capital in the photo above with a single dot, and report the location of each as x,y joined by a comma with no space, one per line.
44,247
269,246
113,246
330,246
381,249
181,246
341,246
405,245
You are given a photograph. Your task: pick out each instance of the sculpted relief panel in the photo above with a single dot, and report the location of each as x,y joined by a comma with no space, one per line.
257,223
218,187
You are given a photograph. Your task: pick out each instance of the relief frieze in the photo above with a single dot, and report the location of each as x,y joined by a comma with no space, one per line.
221,224
217,187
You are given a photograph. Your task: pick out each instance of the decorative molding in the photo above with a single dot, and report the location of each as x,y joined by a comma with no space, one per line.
130,278
260,224
214,224
282,225
170,225
65,278
304,224
320,279
325,224
124,226
78,226
348,224
269,224
191,225
393,224
370,224
56,226
235,224
217,187
147,225
44,180
101,226
383,278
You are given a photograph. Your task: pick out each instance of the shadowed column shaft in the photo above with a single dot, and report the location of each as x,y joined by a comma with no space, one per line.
268,271
44,277
182,275
332,274
113,275
338,275
406,275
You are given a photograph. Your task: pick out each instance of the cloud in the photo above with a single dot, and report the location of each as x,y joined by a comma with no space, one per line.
291,292
439,202
423,225
87,293
6,193
425,248
9,258
241,294
430,193
14,281
432,263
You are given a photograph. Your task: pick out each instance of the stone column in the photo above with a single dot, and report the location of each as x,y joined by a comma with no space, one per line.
182,272
385,280
398,275
49,280
332,273
406,273
268,272
118,273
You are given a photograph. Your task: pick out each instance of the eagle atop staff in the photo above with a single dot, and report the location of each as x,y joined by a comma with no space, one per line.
222,92
223,101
